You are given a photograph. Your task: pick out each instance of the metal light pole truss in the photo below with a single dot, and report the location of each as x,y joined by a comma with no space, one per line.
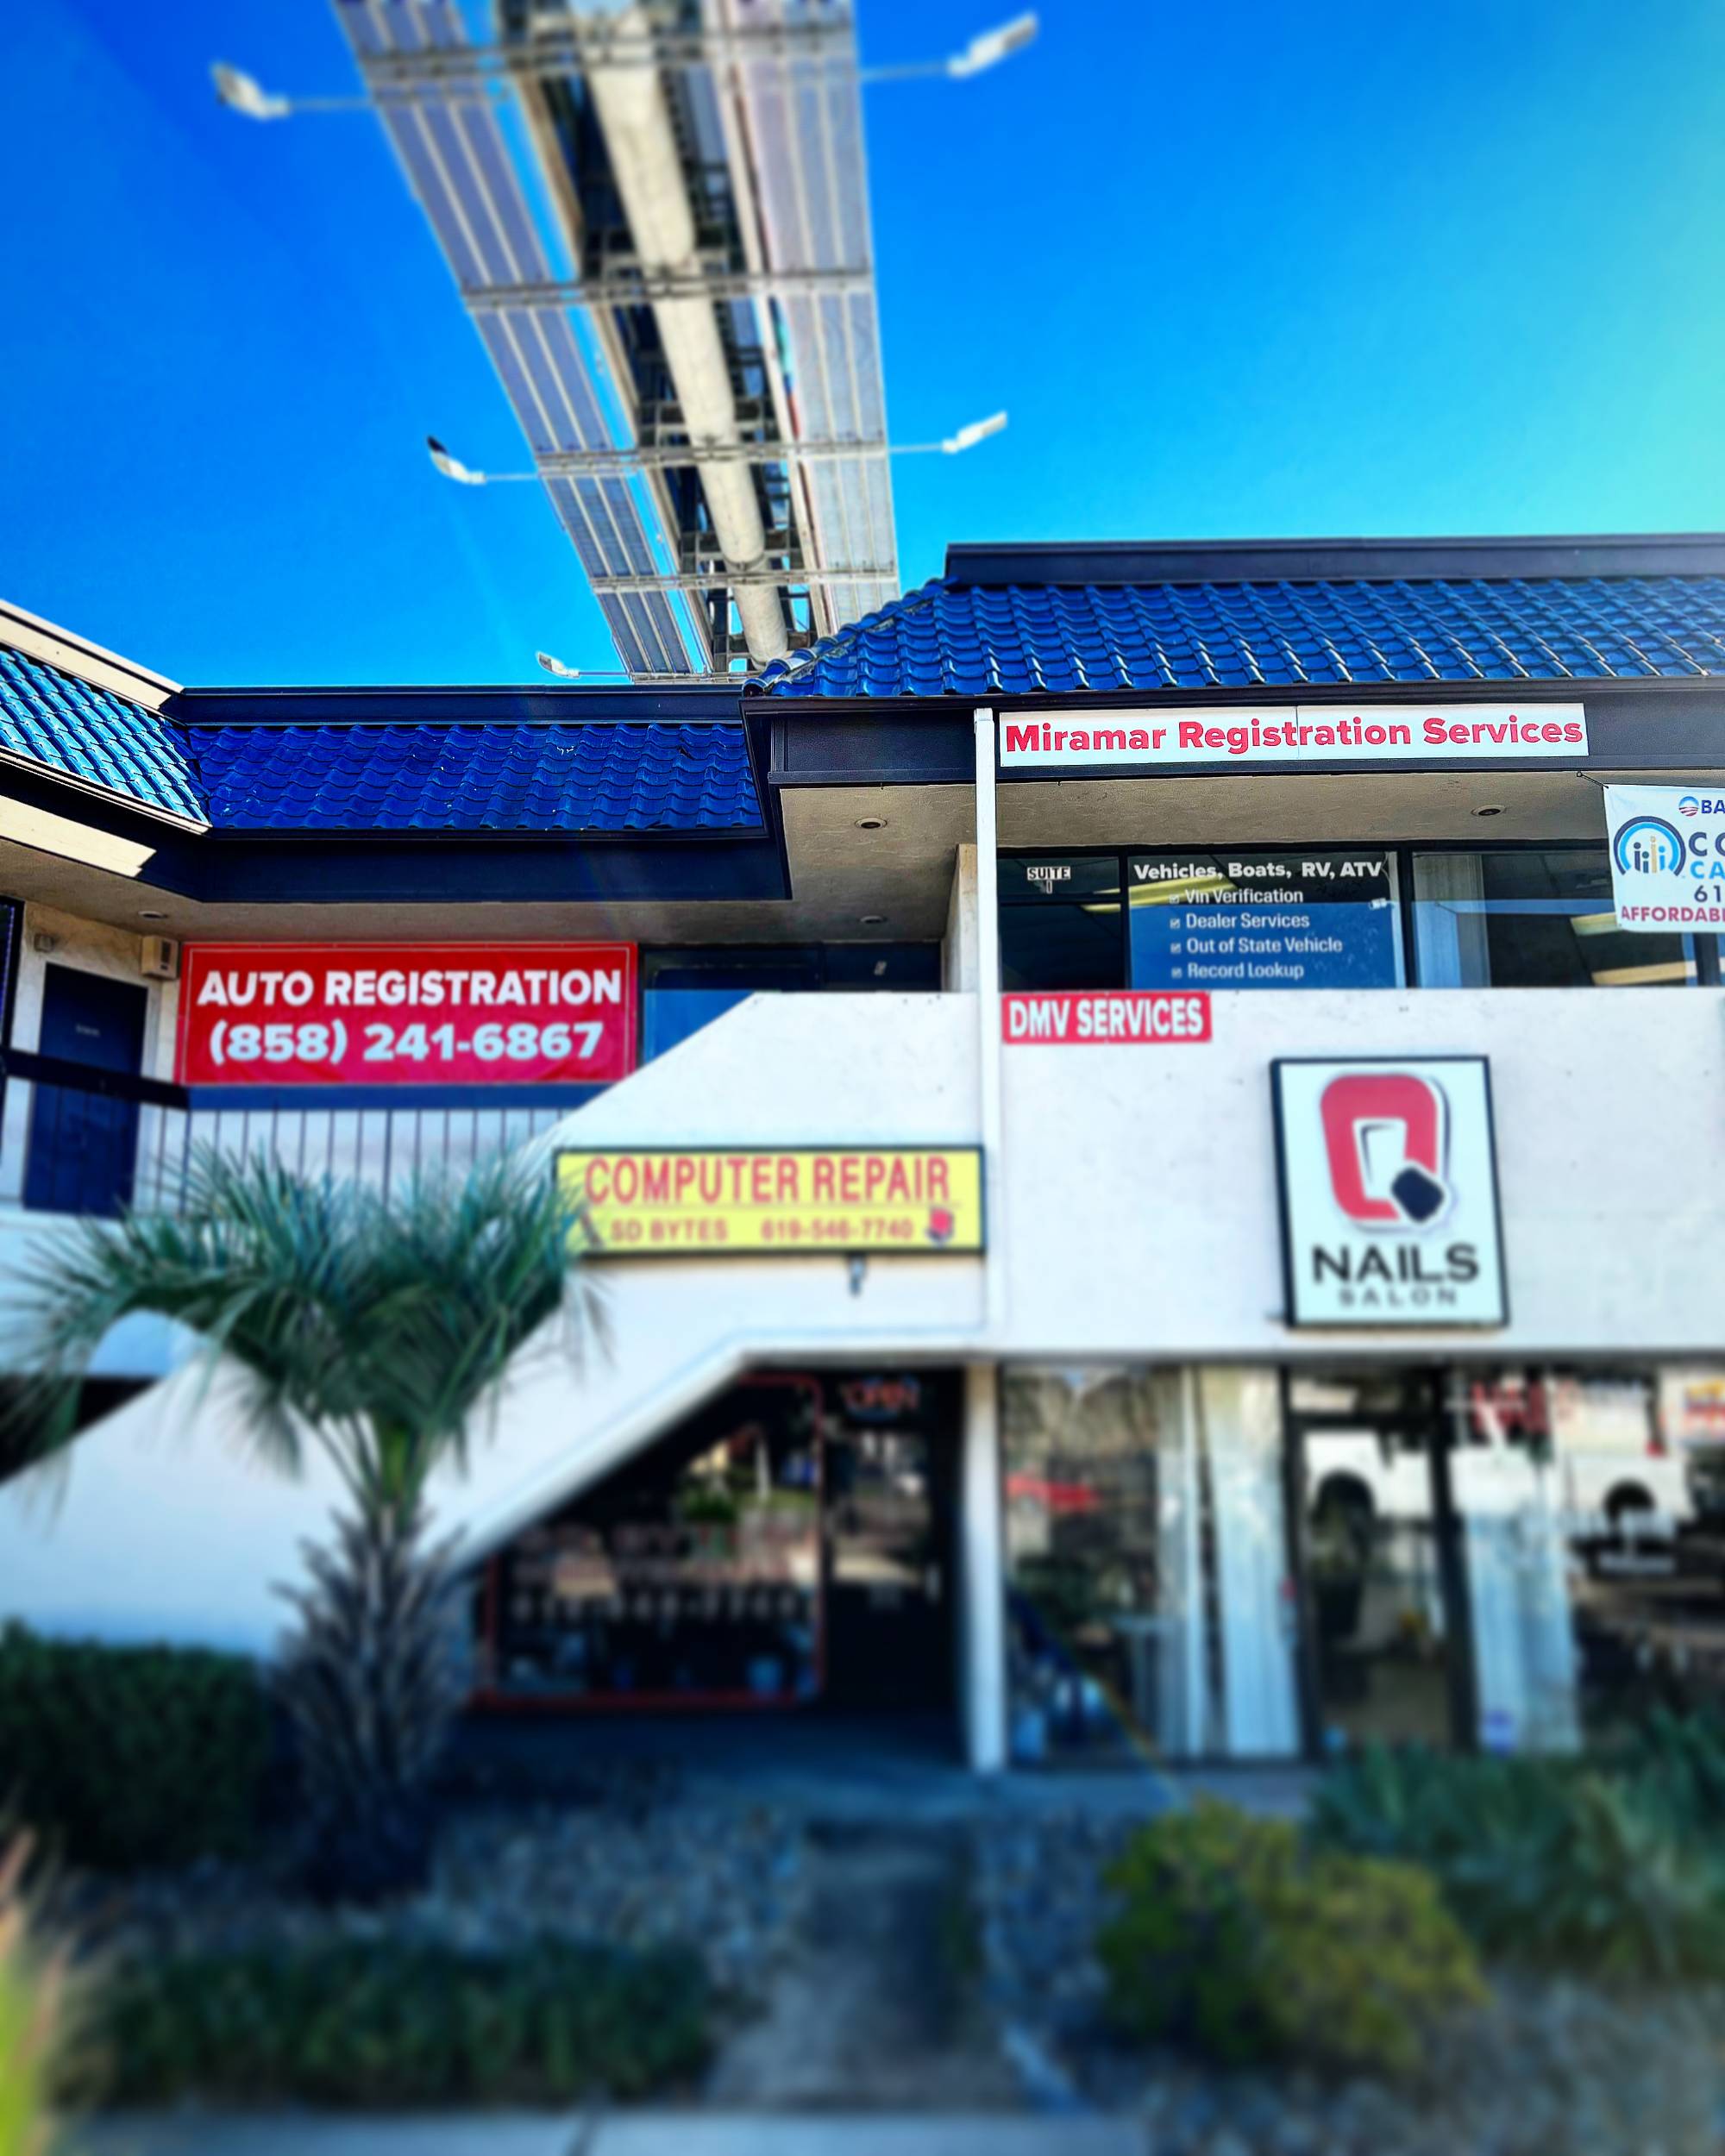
764,103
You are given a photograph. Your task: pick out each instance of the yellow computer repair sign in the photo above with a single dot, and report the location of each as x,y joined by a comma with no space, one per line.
797,1201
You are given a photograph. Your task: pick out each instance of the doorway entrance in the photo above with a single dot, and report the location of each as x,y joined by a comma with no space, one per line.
83,1146
1386,1657
890,1469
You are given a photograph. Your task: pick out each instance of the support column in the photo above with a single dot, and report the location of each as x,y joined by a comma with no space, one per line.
981,1575
988,1026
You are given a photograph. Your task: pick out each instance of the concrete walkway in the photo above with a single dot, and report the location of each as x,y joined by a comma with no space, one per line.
623,2133
897,1768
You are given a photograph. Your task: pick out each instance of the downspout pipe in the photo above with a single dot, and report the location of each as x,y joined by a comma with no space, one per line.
630,105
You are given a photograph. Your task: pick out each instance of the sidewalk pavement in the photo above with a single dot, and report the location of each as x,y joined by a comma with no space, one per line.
616,2133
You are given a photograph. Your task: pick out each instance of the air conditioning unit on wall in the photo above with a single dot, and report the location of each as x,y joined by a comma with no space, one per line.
160,958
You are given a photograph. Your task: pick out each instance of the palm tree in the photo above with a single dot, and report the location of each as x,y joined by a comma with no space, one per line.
379,1330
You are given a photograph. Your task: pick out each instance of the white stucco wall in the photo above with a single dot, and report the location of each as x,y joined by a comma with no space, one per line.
1142,1180
1140,1188
163,1525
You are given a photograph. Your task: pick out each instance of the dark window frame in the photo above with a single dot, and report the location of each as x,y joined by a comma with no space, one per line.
1709,950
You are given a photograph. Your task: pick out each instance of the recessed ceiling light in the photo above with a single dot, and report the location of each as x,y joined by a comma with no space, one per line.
871,822
1488,812
873,920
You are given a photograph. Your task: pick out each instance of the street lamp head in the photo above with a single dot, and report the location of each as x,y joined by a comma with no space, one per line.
452,466
978,430
556,667
990,47
245,94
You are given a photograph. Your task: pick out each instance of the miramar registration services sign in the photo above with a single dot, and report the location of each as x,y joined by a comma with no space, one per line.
1389,1174
794,1202
1323,735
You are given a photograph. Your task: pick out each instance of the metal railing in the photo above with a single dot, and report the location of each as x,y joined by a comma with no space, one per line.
81,1140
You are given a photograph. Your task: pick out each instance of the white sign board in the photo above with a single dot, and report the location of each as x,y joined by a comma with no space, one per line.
1667,857
1388,1193
1323,735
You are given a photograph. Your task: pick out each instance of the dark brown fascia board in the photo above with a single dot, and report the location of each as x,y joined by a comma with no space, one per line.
1342,561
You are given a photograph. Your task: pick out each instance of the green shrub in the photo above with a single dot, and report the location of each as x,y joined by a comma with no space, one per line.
1608,1871
127,1756
381,2023
1231,1935
1677,1762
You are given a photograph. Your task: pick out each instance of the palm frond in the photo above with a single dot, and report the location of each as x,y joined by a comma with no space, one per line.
382,1327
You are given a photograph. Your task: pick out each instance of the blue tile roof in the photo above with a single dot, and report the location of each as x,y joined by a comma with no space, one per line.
955,639
91,734
478,777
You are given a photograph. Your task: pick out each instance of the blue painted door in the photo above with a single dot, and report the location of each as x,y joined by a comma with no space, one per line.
83,1146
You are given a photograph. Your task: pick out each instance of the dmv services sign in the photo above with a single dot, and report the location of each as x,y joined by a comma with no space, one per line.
1389,1178
1323,735
1667,857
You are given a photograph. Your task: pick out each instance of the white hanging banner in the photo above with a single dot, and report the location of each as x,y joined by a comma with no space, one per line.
1667,857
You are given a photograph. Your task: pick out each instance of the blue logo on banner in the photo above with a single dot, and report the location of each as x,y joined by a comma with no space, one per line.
1647,845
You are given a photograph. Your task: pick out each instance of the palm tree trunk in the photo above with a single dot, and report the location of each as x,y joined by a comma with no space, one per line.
370,1683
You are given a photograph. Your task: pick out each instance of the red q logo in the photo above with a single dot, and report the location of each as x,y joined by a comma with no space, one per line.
1386,1133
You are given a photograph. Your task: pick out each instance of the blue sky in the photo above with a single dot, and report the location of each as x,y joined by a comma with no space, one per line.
1240,270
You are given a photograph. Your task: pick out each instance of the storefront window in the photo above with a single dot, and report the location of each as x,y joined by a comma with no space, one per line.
1594,1542
1523,918
683,990
1302,919
1060,921
1151,1613
693,1574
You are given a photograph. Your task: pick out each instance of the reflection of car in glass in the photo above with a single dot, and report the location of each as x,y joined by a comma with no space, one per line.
1602,1479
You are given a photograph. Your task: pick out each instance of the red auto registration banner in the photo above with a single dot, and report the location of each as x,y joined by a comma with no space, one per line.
1099,1016
377,1014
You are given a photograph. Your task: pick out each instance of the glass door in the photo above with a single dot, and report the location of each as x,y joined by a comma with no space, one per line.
1386,1650
890,1461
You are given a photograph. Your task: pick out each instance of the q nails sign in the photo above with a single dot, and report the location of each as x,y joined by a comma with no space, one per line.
1388,1174
297,1014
